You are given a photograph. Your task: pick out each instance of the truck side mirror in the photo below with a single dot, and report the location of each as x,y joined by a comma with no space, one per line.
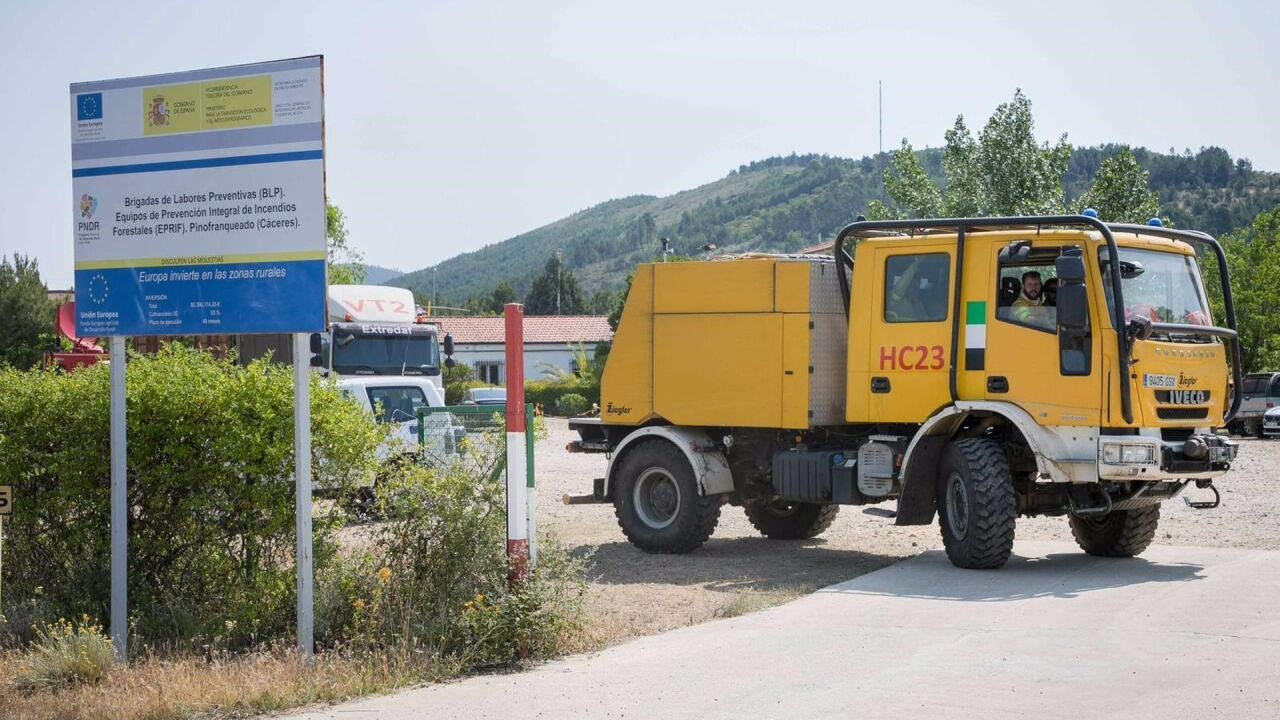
1074,346
316,347
448,345
317,360
1073,307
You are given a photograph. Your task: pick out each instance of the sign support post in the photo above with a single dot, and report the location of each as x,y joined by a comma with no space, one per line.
517,509
302,482
119,505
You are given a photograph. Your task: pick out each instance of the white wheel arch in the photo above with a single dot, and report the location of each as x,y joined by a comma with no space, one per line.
710,469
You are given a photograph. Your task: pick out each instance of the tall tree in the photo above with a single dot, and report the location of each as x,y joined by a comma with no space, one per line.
26,313
1253,258
346,264
555,280
1120,192
501,295
1004,172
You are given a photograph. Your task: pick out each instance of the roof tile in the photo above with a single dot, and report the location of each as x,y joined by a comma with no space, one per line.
537,329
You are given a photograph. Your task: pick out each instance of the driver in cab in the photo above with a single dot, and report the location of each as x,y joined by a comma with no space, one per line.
1030,307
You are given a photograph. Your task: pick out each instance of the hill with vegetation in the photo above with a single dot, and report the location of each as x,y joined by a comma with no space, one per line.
788,203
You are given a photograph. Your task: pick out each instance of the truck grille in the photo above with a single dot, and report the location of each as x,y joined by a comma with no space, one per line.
1182,413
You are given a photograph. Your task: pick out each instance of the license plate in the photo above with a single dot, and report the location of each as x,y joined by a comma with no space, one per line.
1159,381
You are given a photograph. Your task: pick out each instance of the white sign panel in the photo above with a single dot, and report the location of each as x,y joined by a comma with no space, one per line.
199,201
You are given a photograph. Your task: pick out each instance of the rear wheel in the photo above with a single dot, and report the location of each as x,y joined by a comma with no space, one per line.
976,504
657,502
1122,533
782,520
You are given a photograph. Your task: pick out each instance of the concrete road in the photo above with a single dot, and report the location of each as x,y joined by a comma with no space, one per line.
1180,633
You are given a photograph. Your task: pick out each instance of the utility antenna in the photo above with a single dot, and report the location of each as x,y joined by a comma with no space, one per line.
880,93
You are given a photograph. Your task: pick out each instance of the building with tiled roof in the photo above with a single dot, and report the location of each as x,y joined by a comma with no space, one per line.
548,341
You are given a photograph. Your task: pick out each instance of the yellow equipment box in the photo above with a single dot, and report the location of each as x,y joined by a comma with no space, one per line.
751,342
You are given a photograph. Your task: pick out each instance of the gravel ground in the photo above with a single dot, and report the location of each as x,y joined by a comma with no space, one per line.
634,593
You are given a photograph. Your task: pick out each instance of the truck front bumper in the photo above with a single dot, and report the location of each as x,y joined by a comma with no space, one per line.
1144,458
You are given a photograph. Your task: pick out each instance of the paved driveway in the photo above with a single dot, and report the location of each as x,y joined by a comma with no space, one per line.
1177,634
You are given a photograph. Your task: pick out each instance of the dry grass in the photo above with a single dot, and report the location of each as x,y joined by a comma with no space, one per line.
749,601
158,689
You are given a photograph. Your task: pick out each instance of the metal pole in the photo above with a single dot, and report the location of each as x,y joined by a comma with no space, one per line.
517,518
531,497
302,486
880,105
119,505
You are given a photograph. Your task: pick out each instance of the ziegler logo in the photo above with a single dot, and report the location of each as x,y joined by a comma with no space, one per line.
1186,380
617,410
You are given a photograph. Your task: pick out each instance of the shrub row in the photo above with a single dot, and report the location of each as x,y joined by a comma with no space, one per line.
210,492
548,394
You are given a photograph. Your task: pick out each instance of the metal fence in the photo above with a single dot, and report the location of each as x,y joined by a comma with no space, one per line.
473,438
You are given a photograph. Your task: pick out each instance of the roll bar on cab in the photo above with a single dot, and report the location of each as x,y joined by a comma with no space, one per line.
1125,336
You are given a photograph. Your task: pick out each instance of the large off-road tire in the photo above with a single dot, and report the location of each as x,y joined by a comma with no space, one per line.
782,520
657,502
1122,533
976,504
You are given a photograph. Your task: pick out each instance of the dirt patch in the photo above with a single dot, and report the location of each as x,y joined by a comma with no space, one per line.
634,593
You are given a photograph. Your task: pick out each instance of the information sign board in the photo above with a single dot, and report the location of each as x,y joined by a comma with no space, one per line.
199,203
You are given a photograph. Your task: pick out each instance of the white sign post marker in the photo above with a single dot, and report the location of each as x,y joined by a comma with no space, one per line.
302,480
517,507
119,505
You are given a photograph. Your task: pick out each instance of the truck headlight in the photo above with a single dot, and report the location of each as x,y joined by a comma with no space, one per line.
1128,454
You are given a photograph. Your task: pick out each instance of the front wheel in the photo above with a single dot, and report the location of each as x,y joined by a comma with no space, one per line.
1122,533
657,502
782,520
976,504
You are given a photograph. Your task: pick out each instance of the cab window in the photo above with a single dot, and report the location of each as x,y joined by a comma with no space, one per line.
1027,293
396,404
915,288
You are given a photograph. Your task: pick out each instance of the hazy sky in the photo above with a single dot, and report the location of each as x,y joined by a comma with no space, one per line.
451,125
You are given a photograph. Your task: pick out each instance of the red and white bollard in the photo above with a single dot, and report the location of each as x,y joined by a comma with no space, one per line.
517,474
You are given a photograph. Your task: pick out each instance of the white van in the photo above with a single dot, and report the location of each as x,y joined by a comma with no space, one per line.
394,400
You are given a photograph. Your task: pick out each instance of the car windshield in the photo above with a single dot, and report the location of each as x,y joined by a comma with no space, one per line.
489,395
411,355
396,404
1163,287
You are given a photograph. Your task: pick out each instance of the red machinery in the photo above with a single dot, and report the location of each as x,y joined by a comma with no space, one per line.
85,351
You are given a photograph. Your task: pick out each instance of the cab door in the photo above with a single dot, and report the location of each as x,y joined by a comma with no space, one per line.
1022,350
910,332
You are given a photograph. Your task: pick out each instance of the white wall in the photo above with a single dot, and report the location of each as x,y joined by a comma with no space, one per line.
557,354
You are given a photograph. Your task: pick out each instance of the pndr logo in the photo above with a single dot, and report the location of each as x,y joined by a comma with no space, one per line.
89,106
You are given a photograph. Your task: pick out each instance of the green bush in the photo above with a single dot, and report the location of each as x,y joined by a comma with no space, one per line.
546,393
571,404
211,497
456,381
433,581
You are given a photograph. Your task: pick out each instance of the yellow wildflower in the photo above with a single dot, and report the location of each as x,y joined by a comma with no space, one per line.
384,574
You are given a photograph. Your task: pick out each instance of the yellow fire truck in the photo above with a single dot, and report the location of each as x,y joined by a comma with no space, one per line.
977,369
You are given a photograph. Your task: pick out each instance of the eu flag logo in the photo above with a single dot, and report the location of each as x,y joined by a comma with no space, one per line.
89,106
